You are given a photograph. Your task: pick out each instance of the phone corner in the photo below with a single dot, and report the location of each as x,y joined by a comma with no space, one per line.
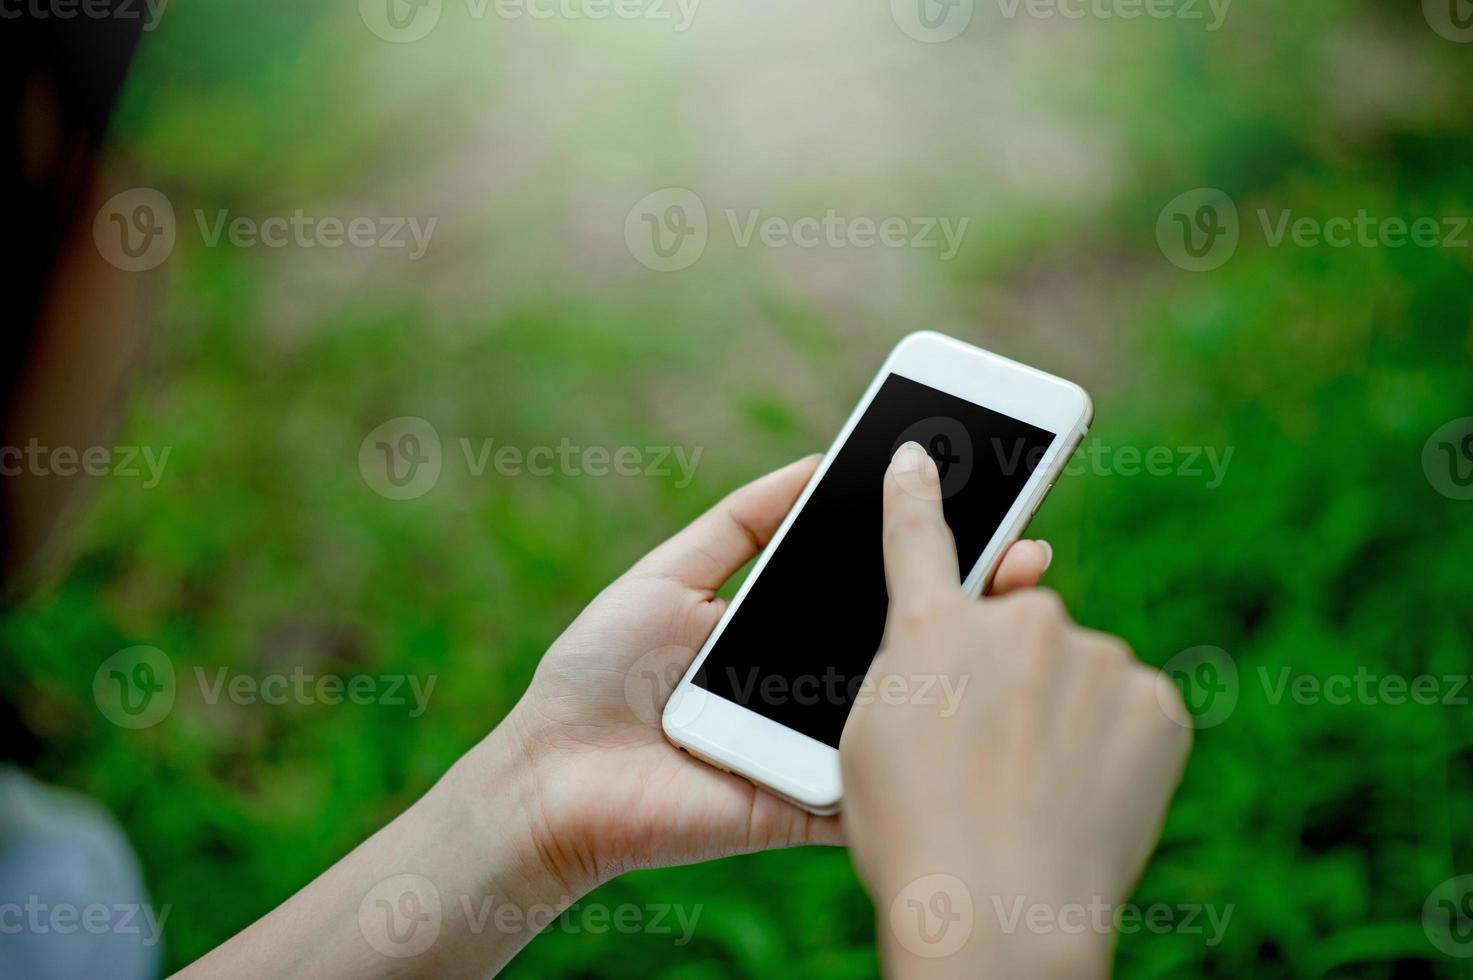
1085,407
830,809
921,336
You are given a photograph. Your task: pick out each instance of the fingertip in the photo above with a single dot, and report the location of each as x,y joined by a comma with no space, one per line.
1022,566
920,552
909,458
809,463
913,471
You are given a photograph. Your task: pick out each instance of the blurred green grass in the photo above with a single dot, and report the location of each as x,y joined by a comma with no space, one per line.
1324,370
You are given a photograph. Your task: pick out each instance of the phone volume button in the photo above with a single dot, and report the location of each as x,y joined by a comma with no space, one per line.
1039,502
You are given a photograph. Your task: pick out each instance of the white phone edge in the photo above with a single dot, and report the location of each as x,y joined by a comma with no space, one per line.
786,762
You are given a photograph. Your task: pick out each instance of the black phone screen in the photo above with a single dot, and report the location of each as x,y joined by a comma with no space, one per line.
797,648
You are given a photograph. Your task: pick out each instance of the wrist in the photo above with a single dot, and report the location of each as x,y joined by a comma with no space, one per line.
495,798
994,956
1046,956
940,925
491,803
453,886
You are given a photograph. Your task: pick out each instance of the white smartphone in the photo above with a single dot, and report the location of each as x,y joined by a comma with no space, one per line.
768,694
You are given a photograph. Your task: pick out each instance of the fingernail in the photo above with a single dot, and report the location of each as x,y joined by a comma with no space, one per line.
909,458
1048,553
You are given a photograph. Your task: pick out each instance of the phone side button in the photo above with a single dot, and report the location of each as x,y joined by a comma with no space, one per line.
1039,502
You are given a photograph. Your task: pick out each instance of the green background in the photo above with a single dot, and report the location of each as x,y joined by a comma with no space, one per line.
1325,371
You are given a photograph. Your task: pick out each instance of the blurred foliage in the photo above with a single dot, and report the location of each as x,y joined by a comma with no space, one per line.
1324,370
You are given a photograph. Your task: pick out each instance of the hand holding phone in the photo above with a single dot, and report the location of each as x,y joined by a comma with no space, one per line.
1045,788
768,694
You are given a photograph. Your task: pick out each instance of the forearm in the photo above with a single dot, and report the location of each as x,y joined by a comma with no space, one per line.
453,887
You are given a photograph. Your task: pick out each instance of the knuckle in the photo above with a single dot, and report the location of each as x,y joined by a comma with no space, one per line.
1173,719
1154,692
919,612
908,522
1040,605
1035,621
1107,650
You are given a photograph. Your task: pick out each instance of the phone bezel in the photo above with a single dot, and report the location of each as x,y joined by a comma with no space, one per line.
789,763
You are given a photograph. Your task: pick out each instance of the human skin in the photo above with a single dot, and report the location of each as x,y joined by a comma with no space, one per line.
1046,789
576,785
